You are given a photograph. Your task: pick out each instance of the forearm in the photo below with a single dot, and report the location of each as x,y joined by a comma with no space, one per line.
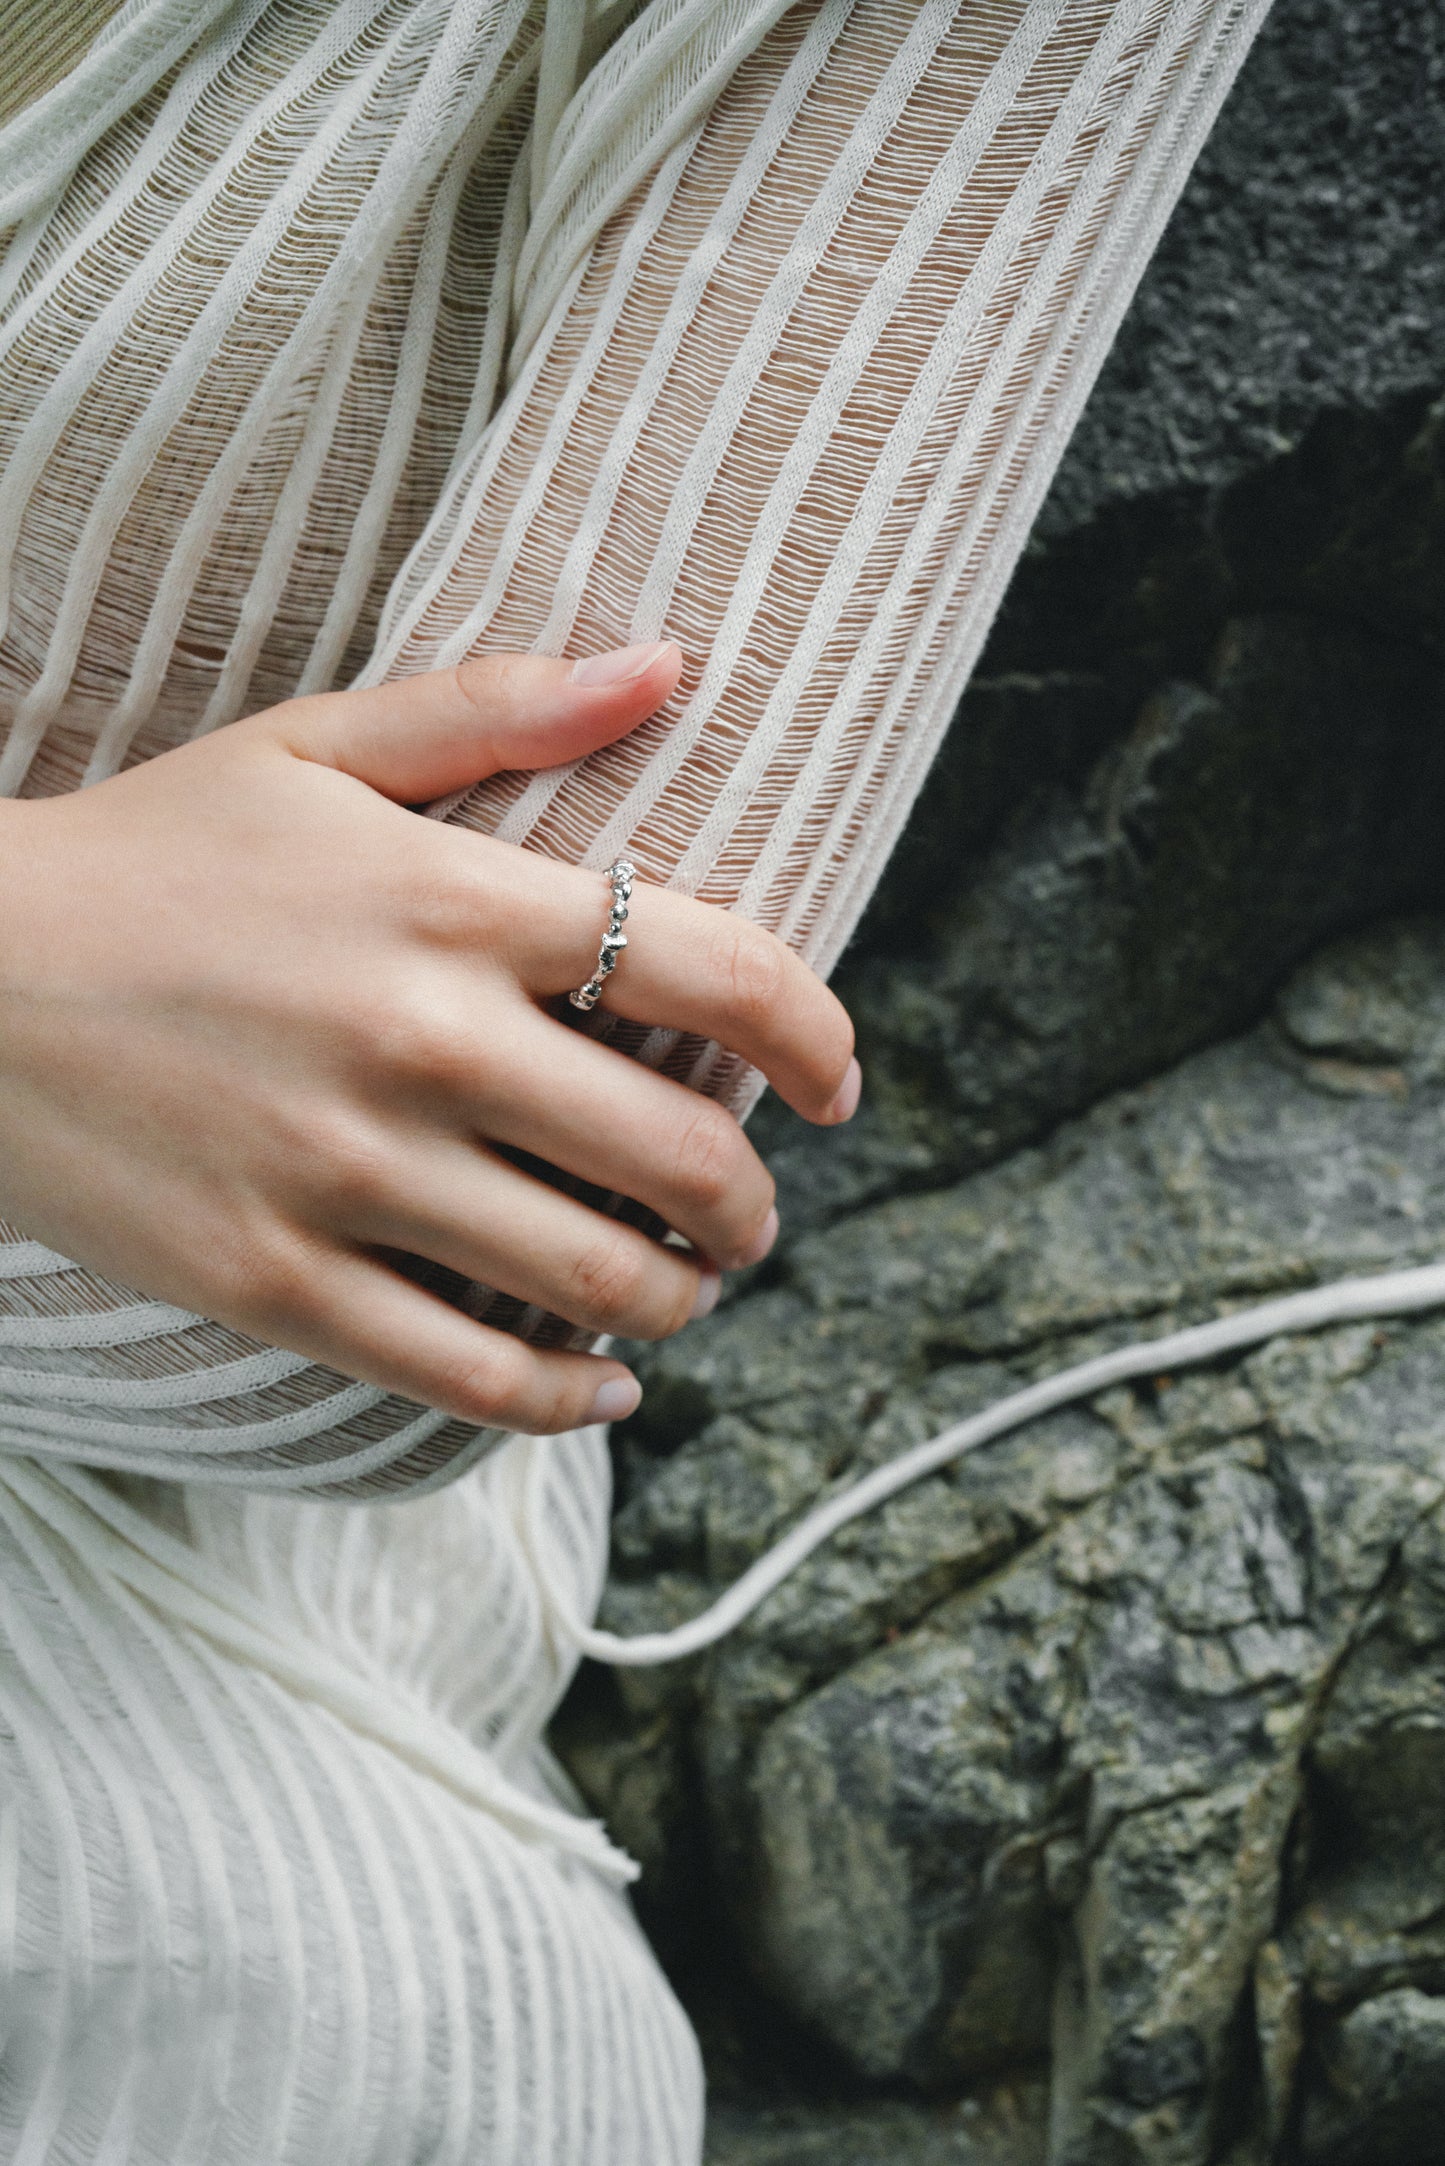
796,410
801,409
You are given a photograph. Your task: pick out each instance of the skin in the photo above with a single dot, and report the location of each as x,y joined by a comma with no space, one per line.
261,1024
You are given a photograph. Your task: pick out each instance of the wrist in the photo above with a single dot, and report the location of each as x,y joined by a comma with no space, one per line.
34,895
22,883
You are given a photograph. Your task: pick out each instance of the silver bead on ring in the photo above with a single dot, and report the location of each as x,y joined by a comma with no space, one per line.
614,940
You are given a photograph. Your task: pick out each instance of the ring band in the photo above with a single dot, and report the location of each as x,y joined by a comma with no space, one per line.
614,940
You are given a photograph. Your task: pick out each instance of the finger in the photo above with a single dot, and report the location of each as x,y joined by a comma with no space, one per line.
624,1128
473,1212
705,970
691,966
369,1322
423,736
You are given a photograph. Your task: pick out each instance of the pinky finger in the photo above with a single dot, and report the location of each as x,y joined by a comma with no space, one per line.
371,1323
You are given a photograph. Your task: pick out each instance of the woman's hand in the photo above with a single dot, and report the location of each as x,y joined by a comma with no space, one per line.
259,1025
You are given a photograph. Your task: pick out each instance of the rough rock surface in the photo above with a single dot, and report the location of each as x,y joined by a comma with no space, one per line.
1302,273
1084,1804
1117,1749
1005,2132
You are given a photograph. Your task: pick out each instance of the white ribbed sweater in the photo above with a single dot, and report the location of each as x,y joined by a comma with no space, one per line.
344,336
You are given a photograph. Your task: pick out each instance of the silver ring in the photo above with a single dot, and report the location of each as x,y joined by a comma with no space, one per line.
614,940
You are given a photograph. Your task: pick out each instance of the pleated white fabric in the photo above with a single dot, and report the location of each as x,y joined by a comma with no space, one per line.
344,337
270,1870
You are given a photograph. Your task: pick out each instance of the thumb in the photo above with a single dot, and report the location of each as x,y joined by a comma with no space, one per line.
421,737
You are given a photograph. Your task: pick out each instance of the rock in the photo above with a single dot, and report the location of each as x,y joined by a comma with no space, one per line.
1299,789
1374,1002
1008,2131
1206,733
1117,1749
1301,273
1083,1803
1384,2071
1118,858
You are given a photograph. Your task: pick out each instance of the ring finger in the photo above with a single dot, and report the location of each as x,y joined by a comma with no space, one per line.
465,1208
620,1126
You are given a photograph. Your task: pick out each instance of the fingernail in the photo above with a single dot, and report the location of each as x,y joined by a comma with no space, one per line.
620,666
763,1243
850,1090
709,1286
616,1399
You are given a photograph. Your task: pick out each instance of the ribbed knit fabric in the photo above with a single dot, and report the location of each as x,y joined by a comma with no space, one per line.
346,336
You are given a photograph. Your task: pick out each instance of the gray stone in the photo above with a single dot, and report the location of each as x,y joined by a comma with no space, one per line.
1118,1748
1302,271
1384,2085
1007,2130
1138,892
1206,733
1083,1803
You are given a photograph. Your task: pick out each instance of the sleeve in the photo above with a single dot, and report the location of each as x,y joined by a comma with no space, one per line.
802,321
796,406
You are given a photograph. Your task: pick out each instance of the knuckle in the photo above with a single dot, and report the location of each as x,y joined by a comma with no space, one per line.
606,1284
507,1390
274,1283
556,1407
679,1311
421,1040
754,968
709,1159
471,679
833,1049
485,682
347,1159
485,1388
446,907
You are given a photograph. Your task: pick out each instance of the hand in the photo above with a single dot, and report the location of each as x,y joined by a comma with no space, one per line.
260,1025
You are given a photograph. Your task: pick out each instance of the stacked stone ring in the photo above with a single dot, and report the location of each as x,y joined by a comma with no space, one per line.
614,940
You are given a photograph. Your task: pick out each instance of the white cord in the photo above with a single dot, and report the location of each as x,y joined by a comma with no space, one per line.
1390,1293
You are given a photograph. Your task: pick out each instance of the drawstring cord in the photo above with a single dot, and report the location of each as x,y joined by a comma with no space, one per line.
1390,1293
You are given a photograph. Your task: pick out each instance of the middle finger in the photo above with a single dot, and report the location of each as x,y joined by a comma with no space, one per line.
496,1223
688,966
